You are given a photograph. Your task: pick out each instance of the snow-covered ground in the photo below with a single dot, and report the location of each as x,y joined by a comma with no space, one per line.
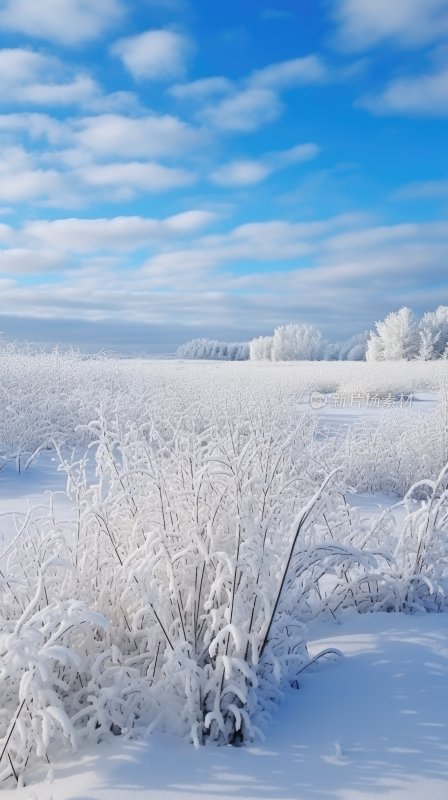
30,489
374,724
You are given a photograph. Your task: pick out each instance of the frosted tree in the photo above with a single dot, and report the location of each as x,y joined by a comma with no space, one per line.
433,331
261,348
354,349
375,348
427,349
297,343
397,335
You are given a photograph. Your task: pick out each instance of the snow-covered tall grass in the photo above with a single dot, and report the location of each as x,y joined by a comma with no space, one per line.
212,521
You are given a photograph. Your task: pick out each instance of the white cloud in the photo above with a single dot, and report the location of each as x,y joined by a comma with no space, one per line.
136,137
21,179
248,172
6,233
255,100
289,74
68,22
202,89
273,240
32,78
189,221
422,95
155,54
27,261
369,238
240,173
244,111
423,190
409,23
36,126
75,92
124,233
295,155
136,175
368,272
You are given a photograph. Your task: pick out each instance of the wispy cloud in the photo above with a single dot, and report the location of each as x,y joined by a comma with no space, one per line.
419,95
244,111
247,172
202,89
290,74
248,104
422,190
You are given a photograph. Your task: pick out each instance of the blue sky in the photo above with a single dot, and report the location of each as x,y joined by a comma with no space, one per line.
172,169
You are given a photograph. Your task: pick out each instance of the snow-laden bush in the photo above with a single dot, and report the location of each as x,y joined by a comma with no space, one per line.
396,337
214,350
177,596
171,599
297,343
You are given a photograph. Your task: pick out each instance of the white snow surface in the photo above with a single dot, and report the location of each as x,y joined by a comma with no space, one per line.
375,724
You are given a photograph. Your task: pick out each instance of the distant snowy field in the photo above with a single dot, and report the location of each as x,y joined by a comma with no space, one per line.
158,578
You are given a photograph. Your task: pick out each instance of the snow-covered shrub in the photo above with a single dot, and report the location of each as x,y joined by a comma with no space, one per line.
296,343
177,594
174,559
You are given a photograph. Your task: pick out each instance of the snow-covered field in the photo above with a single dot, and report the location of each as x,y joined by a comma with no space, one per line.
220,520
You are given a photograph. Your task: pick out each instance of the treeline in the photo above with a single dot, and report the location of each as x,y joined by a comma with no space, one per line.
213,350
399,336
288,343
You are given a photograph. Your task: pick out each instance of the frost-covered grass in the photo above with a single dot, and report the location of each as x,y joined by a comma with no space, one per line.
215,524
